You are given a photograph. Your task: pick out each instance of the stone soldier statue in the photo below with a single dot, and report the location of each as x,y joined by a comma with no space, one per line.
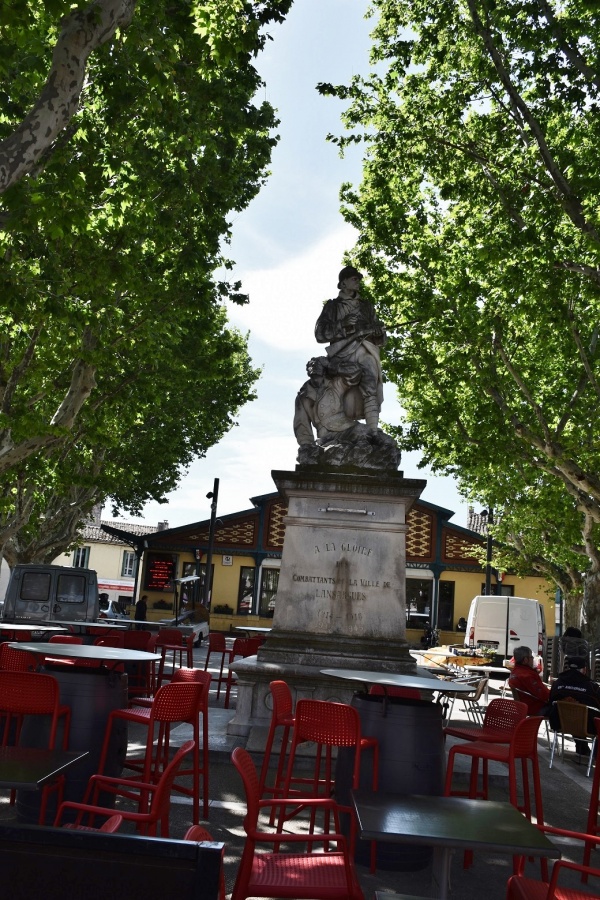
346,385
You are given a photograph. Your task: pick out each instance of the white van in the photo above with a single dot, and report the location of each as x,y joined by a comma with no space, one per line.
503,623
40,593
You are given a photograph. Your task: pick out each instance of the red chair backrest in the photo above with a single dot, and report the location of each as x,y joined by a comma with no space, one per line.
12,660
283,704
524,740
161,799
65,639
137,640
216,642
177,701
332,724
28,693
243,763
504,715
392,691
110,640
170,636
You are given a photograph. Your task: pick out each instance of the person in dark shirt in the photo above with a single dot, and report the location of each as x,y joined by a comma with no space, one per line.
141,611
525,677
574,683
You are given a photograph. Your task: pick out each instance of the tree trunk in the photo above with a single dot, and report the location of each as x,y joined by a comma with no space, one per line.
591,606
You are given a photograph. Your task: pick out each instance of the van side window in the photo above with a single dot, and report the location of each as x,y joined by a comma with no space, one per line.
35,586
70,589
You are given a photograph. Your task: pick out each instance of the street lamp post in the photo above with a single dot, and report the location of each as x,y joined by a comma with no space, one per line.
488,515
213,496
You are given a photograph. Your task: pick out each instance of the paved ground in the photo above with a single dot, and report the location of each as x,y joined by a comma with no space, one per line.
566,793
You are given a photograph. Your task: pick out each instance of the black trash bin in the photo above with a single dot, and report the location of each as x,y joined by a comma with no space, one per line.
411,761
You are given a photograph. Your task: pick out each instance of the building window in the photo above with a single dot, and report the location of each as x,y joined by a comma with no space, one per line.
81,557
246,589
499,590
129,564
445,618
268,589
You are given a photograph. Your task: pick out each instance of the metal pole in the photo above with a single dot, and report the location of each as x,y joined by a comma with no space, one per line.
490,543
213,496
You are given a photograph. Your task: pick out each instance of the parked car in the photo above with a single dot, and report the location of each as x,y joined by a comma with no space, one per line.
111,609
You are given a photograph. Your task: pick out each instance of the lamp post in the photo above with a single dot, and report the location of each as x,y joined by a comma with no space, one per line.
213,496
488,515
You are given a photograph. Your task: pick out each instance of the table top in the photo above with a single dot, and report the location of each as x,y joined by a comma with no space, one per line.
255,629
501,669
393,679
85,651
80,624
449,822
28,768
6,626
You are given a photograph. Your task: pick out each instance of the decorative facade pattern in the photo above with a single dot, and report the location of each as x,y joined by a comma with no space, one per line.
275,531
458,548
419,536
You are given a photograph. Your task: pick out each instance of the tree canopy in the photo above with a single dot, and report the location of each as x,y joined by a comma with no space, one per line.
117,364
479,225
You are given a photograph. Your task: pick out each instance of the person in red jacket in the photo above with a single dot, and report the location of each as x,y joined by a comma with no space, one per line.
526,678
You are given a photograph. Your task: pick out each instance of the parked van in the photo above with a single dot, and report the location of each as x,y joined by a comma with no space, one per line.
39,593
503,623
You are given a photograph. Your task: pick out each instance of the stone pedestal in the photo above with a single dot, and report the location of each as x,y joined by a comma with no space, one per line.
341,600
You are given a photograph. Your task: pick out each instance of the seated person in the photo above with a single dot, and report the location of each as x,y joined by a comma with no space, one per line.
574,683
526,678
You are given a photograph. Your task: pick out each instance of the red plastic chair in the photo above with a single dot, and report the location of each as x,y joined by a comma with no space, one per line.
242,648
282,716
499,722
12,660
327,875
523,746
149,817
33,694
197,833
521,888
180,701
217,646
66,639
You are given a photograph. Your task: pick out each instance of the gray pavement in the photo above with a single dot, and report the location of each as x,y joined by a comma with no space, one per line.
566,793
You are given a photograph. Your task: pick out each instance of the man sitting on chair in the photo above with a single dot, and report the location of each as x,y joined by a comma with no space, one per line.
525,677
574,683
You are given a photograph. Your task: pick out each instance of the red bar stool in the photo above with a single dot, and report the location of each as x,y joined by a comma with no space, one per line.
217,646
171,640
329,725
180,701
282,716
242,648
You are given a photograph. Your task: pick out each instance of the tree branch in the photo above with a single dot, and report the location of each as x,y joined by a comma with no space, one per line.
81,33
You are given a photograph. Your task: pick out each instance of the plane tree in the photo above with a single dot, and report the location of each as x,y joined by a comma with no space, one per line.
479,227
113,266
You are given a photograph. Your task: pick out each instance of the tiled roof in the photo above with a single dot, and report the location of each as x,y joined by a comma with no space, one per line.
94,532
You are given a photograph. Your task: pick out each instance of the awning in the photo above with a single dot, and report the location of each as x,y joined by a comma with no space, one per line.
125,587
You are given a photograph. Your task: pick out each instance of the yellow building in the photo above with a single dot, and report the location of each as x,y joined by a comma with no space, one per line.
442,571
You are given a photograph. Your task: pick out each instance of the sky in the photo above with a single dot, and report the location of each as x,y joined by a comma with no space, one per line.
288,248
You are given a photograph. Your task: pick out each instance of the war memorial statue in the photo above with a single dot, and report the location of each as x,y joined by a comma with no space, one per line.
345,387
